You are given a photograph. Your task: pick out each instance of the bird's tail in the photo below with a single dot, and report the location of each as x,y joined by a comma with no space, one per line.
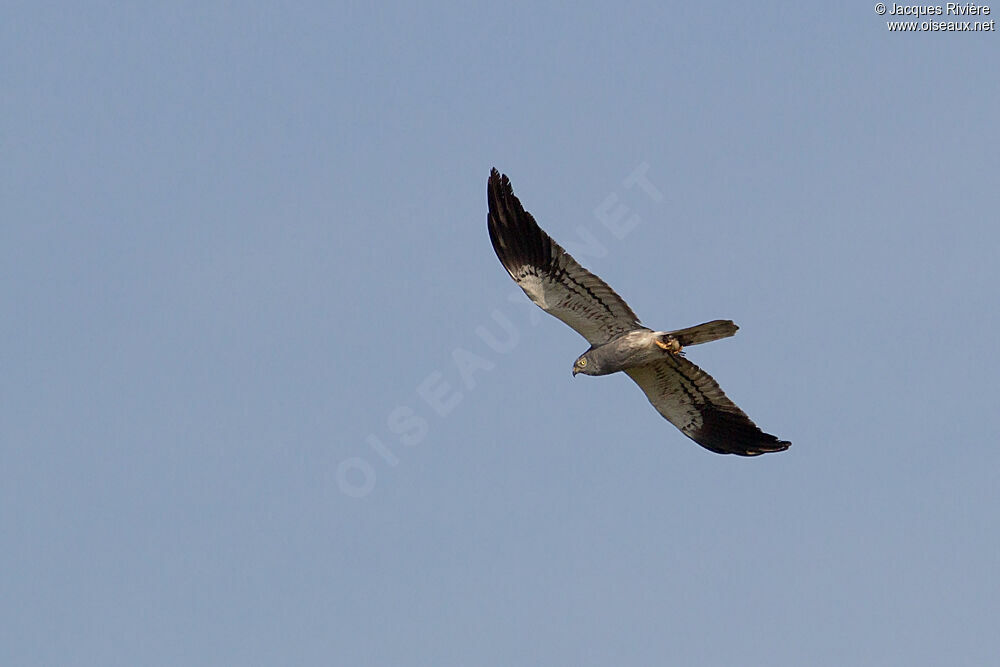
704,333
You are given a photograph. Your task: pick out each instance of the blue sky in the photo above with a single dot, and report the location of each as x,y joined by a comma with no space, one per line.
249,413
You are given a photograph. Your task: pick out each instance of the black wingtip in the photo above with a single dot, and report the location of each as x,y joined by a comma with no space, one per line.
733,433
497,181
516,237
497,187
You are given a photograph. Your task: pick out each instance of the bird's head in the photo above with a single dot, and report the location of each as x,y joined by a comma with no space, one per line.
586,364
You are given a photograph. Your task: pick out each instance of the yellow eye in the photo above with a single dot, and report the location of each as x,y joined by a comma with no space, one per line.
581,363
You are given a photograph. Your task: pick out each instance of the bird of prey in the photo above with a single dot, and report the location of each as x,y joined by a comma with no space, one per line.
684,394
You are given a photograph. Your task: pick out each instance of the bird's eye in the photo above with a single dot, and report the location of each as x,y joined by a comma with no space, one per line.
582,363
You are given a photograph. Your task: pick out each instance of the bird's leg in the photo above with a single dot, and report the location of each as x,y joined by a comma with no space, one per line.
671,344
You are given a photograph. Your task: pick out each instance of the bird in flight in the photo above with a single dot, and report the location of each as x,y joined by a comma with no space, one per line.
686,396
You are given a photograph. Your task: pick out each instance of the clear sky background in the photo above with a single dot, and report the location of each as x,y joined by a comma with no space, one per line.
248,414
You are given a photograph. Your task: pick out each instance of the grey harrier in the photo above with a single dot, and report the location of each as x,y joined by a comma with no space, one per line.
684,394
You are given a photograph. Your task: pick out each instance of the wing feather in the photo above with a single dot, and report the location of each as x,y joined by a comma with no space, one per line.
548,274
690,399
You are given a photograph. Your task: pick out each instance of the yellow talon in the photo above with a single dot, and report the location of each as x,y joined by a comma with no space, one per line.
670,346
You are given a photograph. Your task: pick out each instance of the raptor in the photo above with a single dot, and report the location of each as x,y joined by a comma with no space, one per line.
684,394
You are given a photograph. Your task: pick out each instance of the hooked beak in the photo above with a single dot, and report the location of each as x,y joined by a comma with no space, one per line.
574,371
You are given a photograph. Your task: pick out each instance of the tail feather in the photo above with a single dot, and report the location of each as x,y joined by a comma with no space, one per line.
704,333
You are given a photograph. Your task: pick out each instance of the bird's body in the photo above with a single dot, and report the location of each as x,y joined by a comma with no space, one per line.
627,350
643,346
681,392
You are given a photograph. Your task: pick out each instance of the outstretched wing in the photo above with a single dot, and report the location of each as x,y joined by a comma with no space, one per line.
548,274
692,401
